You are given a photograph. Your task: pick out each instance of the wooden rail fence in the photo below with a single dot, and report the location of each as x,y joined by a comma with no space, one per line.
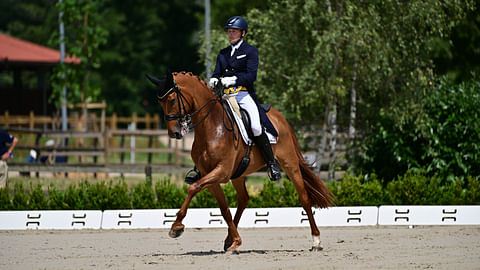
107,157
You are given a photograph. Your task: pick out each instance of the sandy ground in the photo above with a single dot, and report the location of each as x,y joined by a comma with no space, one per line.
446,247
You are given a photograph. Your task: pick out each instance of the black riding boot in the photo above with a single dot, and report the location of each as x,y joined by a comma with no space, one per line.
266,149
192,176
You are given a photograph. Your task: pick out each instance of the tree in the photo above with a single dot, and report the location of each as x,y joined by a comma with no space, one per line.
316,53
83,39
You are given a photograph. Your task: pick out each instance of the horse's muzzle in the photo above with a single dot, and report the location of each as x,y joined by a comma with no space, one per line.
177,135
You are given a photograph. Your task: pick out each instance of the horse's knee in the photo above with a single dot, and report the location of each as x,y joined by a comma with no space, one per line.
194,188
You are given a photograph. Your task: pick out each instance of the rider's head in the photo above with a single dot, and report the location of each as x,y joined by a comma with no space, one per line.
236,28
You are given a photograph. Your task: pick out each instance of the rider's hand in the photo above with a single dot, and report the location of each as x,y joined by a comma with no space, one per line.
229,81
213,82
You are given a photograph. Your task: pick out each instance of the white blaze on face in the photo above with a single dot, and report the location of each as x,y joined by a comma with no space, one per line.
219,132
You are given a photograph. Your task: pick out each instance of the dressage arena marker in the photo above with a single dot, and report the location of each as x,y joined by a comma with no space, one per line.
251,218
429,215
50,220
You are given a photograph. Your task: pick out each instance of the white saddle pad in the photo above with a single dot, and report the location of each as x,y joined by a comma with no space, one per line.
243,131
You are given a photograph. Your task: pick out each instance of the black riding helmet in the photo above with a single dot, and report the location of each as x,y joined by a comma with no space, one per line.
237,22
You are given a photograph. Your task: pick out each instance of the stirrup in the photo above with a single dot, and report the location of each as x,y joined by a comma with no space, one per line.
192,176
273,171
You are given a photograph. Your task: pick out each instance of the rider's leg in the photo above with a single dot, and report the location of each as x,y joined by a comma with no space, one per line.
260,137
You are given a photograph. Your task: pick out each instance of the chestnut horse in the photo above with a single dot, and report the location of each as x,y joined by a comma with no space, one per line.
187,101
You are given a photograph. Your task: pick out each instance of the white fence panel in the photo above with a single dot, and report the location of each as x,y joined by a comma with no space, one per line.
429,215
345,216
138,219
50,220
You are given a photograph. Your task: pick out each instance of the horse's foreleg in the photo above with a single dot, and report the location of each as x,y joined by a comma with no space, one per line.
227,216
213,177
242,199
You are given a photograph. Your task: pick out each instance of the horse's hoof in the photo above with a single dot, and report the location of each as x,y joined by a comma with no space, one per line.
316,249
227,245
175,233
232,252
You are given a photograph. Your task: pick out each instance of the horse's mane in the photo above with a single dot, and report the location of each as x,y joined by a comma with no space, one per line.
190,74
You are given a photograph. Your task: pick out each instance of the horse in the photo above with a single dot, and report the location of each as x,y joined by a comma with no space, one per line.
188,102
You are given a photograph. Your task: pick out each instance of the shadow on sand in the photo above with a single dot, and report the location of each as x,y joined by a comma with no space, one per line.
217,252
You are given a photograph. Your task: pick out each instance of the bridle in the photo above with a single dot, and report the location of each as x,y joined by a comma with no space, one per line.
185,118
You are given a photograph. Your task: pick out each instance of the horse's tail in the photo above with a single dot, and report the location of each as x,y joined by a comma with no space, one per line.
318,192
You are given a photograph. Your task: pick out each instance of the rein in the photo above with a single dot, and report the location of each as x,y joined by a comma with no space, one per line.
185,119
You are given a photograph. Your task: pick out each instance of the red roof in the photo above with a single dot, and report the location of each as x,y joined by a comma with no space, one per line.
17,50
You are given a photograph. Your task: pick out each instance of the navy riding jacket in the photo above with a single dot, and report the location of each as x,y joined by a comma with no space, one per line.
243,64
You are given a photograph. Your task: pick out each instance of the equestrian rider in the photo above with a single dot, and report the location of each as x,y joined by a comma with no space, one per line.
236,69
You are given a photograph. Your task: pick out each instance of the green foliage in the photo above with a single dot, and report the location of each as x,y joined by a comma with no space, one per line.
5,199
316,52
143,196
409,189
85,34
56,198
120,196
440,132
354,190
472,192
20,198
169,195
38,199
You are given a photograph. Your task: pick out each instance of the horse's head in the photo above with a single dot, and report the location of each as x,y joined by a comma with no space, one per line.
177,101
170,99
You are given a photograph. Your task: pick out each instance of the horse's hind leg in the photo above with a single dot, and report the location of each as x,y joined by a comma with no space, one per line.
292,169
232,228
242,199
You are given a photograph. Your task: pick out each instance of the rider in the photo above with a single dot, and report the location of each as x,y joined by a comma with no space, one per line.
236,69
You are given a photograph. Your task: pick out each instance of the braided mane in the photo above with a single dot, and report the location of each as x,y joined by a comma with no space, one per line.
190,74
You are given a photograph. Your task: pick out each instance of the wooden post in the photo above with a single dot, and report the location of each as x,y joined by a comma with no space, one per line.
102,123
107,150
176,154
135,119
31,126
113,126
37,146
6,118
122,154
156,121
150,142
147,121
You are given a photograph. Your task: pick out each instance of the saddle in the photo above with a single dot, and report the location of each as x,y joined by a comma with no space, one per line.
246,122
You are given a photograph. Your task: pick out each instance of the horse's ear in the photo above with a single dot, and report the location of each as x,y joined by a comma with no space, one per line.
169,78
153,79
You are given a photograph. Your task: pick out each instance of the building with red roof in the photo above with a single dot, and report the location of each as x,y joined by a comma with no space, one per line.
25,69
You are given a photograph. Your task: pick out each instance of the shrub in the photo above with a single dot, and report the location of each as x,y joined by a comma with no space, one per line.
409,189
353,190
169,195
5,199
438,131
20,198
143,196
37,199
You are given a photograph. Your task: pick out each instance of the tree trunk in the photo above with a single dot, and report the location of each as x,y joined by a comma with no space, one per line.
333,140
353,116
323,143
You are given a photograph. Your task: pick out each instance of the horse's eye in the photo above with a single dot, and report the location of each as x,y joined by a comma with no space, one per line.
172,102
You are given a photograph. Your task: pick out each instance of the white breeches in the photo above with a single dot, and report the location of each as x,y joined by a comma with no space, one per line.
246,102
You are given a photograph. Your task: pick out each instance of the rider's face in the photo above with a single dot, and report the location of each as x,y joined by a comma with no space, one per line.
234,35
